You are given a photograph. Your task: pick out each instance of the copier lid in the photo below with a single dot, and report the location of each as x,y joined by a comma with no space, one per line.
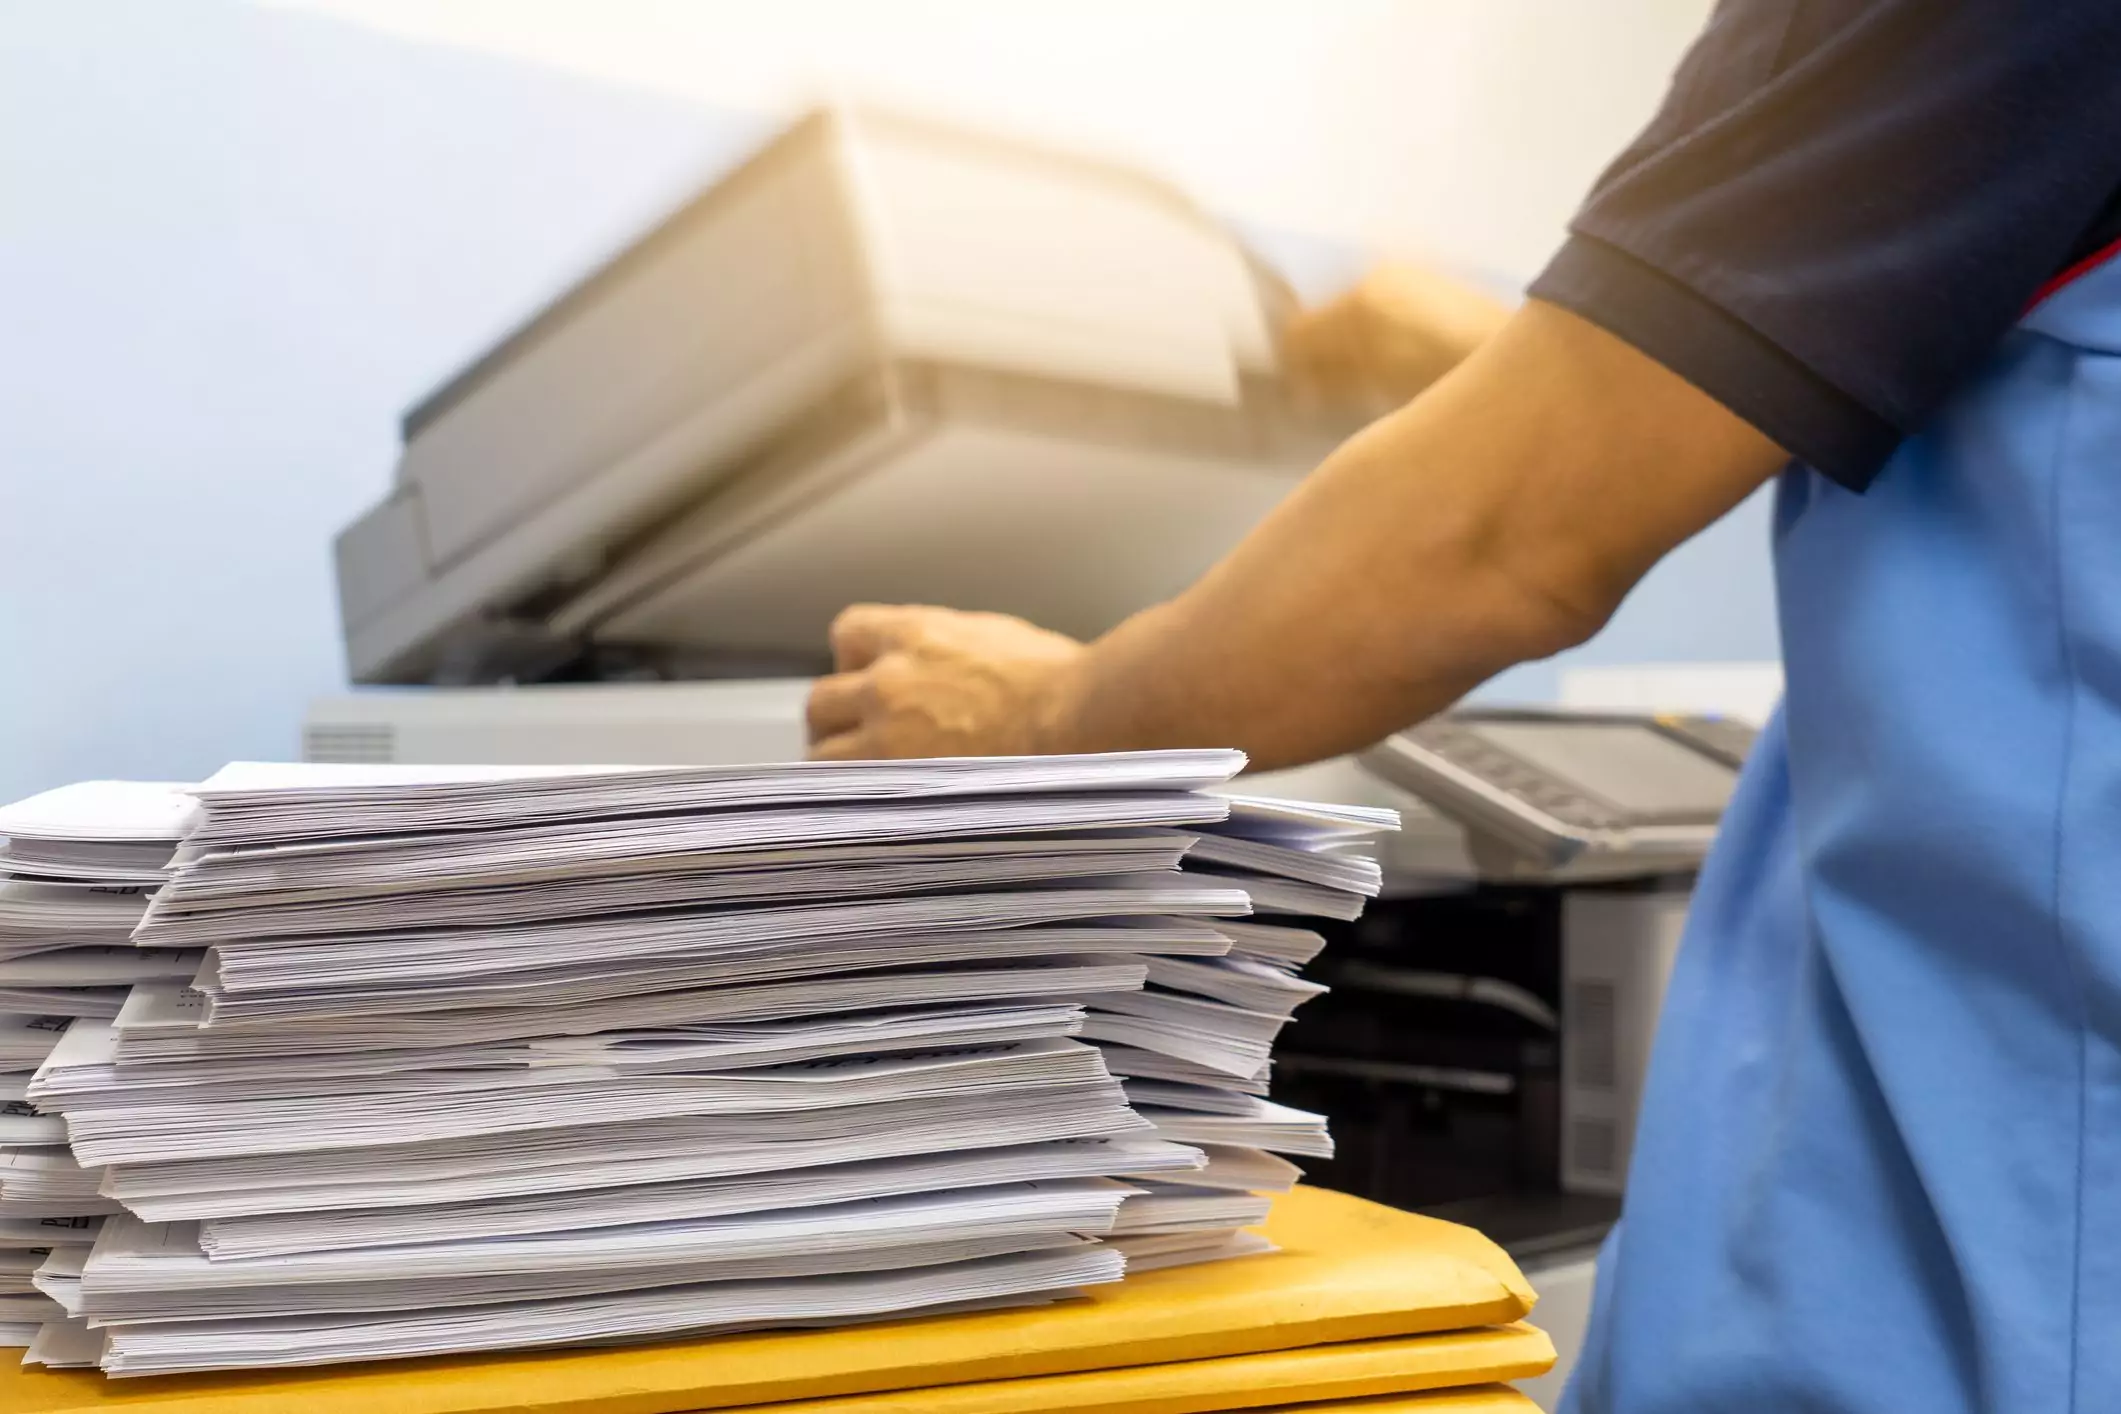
882,359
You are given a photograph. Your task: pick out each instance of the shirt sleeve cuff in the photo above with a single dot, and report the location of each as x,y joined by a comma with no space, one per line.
1720,354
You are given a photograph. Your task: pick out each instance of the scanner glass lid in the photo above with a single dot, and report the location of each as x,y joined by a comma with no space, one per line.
1637,770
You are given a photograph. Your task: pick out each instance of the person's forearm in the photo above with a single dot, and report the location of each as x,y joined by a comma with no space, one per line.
1498,518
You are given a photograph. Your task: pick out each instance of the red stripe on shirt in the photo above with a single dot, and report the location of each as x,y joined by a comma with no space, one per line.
2078,271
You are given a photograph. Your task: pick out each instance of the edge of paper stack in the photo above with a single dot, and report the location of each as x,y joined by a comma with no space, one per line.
310,1064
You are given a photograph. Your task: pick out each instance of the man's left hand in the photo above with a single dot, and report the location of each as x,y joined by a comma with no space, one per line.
916,681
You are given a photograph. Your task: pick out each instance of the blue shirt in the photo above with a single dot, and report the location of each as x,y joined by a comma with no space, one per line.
1878,1165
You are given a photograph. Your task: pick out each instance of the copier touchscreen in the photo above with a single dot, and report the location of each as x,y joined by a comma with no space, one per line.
1637,771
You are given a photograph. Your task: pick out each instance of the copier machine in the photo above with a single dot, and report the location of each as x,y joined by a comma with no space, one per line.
890,360
883,359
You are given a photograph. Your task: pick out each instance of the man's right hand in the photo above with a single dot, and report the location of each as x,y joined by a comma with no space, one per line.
911,680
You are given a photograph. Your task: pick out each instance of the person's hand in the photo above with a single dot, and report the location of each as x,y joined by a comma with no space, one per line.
917,681
1399,330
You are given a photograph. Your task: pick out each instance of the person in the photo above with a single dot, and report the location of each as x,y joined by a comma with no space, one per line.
1865,250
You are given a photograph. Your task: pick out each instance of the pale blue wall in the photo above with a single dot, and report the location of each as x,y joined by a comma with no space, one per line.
234,242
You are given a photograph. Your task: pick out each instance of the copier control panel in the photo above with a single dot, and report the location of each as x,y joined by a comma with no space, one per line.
1590,794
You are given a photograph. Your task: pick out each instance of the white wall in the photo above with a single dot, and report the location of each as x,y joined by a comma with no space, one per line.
235,241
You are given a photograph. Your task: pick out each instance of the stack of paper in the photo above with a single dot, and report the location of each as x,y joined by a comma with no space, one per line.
77,866
1194,1046
76,869
475,1058
116,833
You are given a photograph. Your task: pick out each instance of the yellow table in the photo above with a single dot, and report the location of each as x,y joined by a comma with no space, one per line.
1349,1271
